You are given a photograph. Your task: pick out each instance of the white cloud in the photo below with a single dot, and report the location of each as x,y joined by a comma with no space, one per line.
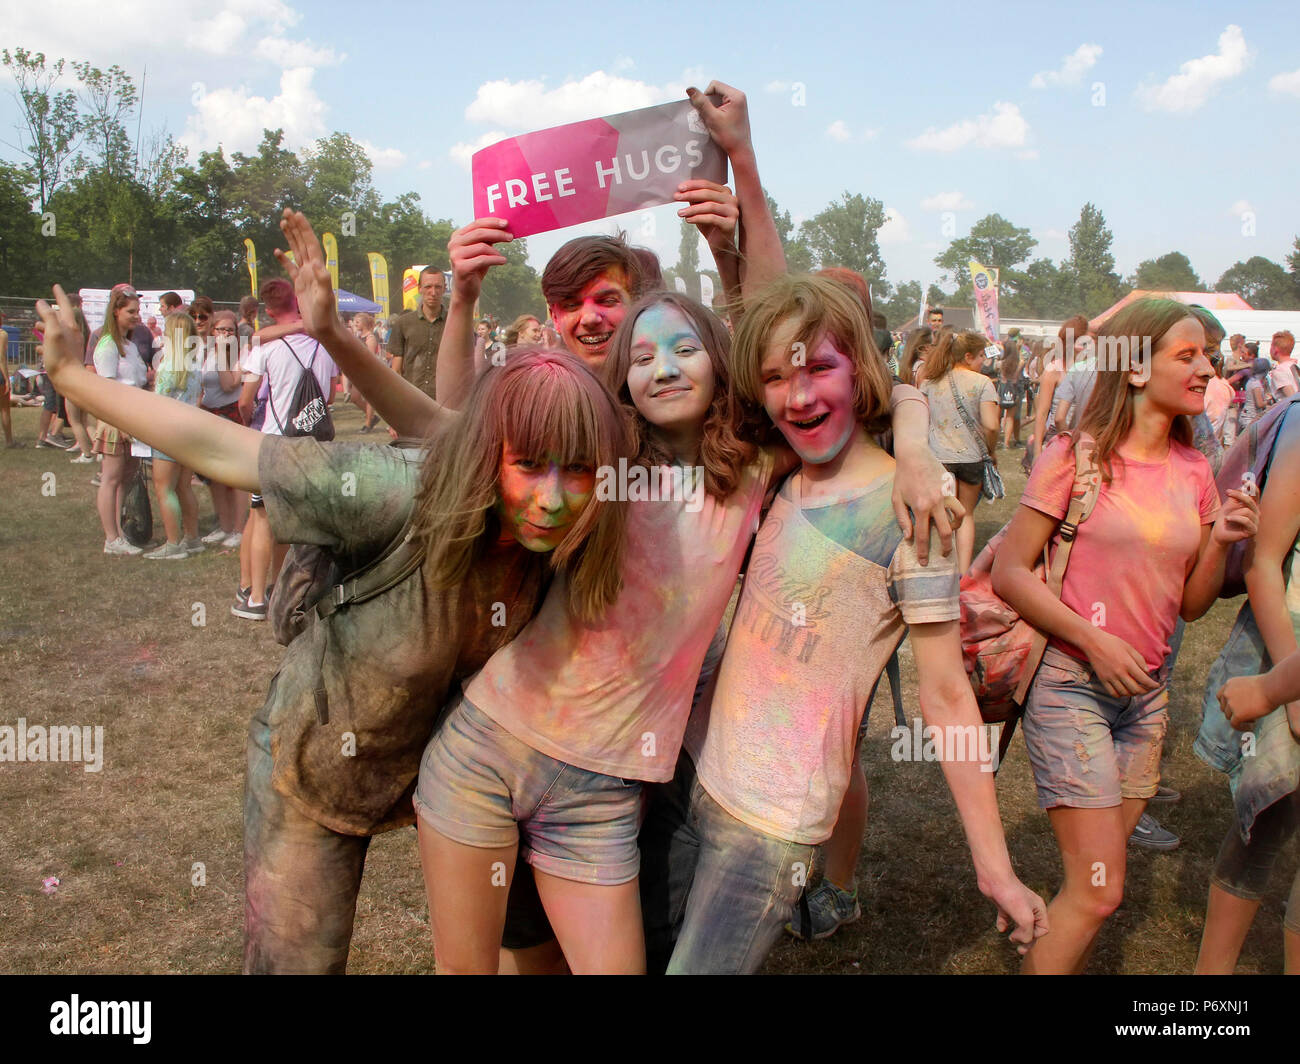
1288,83
384,158
1241,207
1055,234
235,119
425,164
895,230
464,152
285,53
837,130
946,201
528,105
1072,68
1198,78
1005,127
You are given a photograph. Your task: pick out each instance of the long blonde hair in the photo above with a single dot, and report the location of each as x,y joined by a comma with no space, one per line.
178,329
548,405
117,299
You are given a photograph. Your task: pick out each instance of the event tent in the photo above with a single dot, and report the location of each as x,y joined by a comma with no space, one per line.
1215,301
351,303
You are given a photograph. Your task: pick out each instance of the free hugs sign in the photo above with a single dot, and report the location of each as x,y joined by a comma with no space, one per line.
595,169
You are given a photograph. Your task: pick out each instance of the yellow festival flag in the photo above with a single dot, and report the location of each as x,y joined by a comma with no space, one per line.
331,247
984,280
379,281
252,263
411,288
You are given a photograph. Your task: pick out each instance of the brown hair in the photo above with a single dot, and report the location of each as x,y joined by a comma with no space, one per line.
277,295
202,303
1071,329
545,403
247,306
512,333
952,349
117,299
916,339
583,259
819,307
723,453
1108,417
365,319
855,281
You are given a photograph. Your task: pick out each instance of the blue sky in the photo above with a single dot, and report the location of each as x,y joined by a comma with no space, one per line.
1177,121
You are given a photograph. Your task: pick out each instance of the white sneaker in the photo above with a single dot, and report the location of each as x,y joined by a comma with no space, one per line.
215,536
233,540
191,545
82,459
168,552
120,546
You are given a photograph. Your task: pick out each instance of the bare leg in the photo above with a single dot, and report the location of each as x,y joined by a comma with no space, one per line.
189,504
259,555
969,496
165,477
106,499
599,928
77,422
1227,920
842,849
1093,850
468,888
546,959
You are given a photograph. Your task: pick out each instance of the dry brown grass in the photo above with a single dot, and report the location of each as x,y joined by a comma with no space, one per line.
90,639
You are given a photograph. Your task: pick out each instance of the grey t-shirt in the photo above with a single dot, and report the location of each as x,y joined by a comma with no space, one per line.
1076,389
391,662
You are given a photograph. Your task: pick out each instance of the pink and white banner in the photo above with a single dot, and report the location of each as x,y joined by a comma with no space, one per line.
595,169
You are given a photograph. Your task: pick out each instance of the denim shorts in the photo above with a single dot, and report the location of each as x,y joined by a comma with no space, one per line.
480,786
1089,749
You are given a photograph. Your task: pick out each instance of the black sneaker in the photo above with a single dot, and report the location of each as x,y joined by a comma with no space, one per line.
1151,836
249,611
1166,795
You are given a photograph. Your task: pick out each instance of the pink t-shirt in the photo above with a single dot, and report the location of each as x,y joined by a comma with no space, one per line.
1133,554
1218,397
613,696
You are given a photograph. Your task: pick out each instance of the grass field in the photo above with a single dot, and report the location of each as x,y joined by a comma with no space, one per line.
148,851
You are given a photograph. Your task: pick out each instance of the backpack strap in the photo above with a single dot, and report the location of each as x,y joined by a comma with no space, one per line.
402,557
270,403
1083,497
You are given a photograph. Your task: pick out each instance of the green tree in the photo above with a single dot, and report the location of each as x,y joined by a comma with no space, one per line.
109,100
1091,263
19,233
1169,273
902,306
1045,291
50,129
688,261
1260,282
844,234
992,241
512,289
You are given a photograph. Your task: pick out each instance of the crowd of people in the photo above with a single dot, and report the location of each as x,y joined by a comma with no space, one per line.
627,724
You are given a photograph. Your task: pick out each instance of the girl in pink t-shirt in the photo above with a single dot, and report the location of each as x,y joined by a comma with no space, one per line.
1151,551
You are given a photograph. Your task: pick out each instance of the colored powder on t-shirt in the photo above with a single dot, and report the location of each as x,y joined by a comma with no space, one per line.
1132,556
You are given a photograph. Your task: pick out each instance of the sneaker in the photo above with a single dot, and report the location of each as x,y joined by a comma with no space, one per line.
45,441
120,546
215,536
82,459
232,540
242,594
249,610
1151,836
168,552
193,545
94,481
829,909
1167,795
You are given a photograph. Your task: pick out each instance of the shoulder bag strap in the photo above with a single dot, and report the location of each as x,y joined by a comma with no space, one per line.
1083,497
976,435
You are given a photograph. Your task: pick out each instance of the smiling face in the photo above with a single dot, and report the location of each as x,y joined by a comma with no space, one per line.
1180,370
670,377
811,404
531,332
128,316
538,500
586,322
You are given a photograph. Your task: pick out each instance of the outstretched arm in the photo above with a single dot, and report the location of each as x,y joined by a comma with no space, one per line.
406,409
713,210
948,703
472,253
728,124
213,446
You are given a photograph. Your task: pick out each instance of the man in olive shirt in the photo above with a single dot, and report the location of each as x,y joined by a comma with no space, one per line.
417,333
